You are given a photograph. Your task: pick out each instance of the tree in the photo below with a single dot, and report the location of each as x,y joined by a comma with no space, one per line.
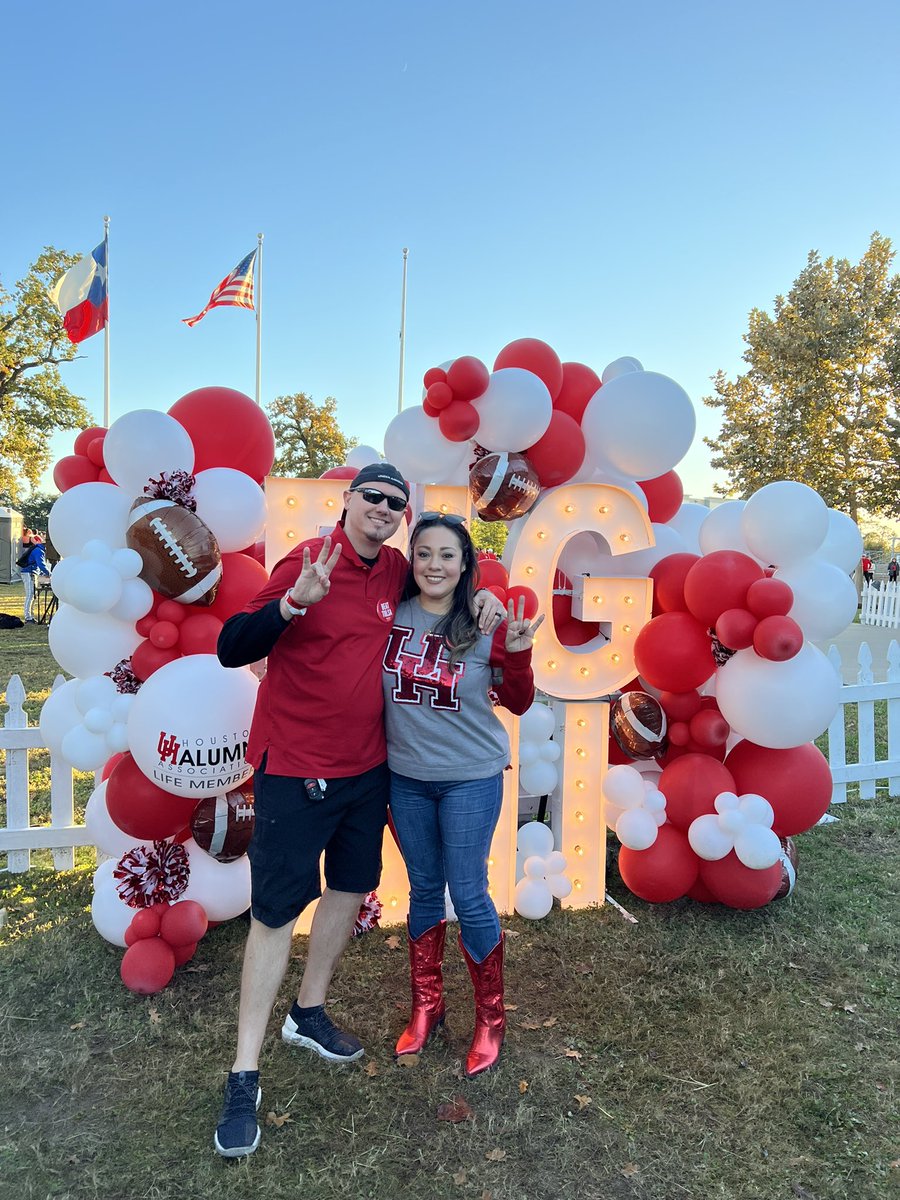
819,402
489,535
34,402
308,439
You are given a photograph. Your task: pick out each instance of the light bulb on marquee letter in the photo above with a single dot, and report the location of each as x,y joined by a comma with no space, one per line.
618,517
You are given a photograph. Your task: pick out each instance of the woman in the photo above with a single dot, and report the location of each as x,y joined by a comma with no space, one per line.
447,752
31,563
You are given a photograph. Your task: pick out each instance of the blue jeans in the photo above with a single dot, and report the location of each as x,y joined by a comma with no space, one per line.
445,830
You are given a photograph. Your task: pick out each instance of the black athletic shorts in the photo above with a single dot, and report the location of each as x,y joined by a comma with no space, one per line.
290,833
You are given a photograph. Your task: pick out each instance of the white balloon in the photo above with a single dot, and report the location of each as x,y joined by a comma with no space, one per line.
105,835
135,601
109,912
560,886
779,704
90,510
528,753
117,738
128,562
515,410
92,586
83,750
533,898
623,786
554,862
537,723
232,505
413,442
843,545
96,551
142,444
784,522
98,720
722,529
611,814
707,838
362,456
758,847
222,888
60,574
535,837
538,778
620,366
637,829
550,751
757,809
534,867
640,424
97,692
189,723
687,522
825,599
87,644
59,714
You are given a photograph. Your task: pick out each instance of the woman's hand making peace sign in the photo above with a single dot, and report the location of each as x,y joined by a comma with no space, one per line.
519,632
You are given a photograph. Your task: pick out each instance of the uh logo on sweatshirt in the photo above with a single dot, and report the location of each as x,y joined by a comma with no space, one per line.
427,674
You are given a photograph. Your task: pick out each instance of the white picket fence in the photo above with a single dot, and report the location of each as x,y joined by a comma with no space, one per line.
880,605
62,835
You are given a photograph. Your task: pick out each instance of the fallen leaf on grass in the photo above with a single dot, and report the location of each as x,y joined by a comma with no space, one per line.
860,1046
573,1054
486,1195
154,1016
194,968
523,1086
460,1177
583,1102
550,1021
529,1024
511,933
78,1025
278,1119
630,1170
794,967
455,1110
511,1007
393,942
371,1069
495,1155
850,1008
825,1003
408,1060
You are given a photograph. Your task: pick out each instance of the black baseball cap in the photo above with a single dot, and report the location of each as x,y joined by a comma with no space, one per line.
380,472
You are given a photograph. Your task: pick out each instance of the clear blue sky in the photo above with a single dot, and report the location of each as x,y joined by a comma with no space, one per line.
615,179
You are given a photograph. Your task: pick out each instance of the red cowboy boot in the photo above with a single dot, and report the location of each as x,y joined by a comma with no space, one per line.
426,953
490,1015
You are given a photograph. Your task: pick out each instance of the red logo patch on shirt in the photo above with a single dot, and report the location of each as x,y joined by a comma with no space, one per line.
385,610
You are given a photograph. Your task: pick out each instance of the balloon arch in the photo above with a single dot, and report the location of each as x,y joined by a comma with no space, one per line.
679,694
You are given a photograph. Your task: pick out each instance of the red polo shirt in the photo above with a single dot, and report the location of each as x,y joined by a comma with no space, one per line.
319,711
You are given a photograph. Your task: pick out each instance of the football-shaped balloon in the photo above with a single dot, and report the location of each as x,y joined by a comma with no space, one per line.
180,553
788,868
222,825
503,486
638,724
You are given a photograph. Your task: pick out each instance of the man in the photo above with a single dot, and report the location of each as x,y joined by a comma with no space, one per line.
866,564
31,563
321,783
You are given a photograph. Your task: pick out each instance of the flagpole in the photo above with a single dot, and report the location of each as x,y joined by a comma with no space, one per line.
259,242
402,331
106,332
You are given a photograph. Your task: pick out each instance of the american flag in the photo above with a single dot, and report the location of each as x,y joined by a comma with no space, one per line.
236,289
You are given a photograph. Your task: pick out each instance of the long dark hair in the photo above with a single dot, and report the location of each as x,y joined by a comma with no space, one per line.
458,627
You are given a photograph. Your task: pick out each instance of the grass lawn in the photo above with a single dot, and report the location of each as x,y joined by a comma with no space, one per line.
699,1053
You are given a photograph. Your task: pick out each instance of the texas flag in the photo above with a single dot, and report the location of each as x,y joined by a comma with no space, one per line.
81,296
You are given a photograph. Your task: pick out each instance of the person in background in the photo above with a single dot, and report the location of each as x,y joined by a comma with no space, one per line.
447,752
866,564
31,563
893,570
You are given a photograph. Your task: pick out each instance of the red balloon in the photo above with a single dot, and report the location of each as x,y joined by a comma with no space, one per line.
439,395
145,624
85,438
531,601
147,658
796,782
257,551
110,765
200,634
579,384
664,872
680,706
709,728
777,638
184,954
664,496
72,470
559,452
147,966
735,628
242,578
770,598
468,377
668,581
679,733
172,611
104,476
183,922
690,785
719,581
673,652
731,883
95,450
141,809
499,592
227,429
145,922
535,356
492,573
430,410
164,634
340,473
459,422
701,893
434,375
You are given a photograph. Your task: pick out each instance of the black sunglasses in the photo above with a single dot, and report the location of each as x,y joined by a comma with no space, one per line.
373,496
426,518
